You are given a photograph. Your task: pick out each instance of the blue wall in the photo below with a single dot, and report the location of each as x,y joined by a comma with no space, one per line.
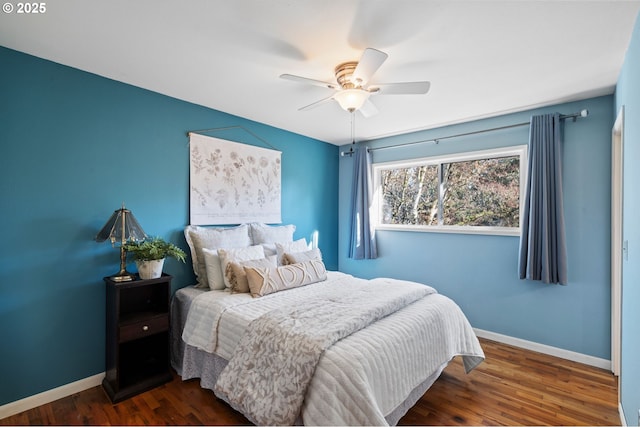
480,271
628,95
74,147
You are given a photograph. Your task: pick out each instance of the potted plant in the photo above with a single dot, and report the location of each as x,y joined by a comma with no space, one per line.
149,256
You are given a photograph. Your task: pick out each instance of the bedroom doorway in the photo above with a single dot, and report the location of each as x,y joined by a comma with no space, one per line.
618,246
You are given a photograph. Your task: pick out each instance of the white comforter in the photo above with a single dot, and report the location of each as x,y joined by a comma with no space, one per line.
364,377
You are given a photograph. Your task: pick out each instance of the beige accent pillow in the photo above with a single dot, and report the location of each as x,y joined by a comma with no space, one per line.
238,255
212,238
263,281
237,277
296,257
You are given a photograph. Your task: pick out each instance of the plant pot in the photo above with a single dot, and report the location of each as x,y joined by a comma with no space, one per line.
150,269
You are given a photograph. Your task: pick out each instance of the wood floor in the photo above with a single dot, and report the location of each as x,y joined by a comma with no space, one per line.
511,387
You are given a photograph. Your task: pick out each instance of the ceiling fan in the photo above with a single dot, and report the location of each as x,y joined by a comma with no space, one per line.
352,90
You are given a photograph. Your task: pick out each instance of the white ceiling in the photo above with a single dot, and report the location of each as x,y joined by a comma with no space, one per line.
483,58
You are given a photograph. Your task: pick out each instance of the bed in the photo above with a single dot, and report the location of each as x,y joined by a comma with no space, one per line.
338,350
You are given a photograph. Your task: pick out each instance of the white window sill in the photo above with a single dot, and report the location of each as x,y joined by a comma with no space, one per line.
493,231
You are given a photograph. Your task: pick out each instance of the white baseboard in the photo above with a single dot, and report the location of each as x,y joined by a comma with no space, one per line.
623,420
49,396
546,349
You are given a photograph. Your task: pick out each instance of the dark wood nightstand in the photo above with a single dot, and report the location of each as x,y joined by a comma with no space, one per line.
137,341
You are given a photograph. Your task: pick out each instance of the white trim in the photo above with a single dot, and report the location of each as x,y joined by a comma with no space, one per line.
514,150
459,229
623,420
545,349
617,236
49,396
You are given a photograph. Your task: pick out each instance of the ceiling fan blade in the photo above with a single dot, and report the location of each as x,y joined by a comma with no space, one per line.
369,63
407,88
306,80
315,104
368,109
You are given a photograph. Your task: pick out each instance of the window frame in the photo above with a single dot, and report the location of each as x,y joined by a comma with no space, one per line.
376,208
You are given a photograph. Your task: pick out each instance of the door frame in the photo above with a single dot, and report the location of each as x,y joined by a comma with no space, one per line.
617,244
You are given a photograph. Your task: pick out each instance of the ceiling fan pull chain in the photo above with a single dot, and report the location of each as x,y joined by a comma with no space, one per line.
353,128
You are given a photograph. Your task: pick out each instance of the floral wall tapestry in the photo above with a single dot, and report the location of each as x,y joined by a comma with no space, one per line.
233,183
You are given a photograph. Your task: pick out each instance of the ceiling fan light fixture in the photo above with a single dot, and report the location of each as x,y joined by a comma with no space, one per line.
351,99
353,90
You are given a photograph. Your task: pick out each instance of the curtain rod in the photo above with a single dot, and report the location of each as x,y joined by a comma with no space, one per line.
574,116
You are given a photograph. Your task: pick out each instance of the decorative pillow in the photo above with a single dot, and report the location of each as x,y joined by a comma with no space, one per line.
263,281
215,278
212,238
237,277
291,247
294,258
263,233
269,249
238,255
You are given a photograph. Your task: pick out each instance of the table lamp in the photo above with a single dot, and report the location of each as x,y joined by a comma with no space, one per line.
122,228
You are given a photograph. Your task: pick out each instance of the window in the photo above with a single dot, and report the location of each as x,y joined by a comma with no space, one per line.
476,192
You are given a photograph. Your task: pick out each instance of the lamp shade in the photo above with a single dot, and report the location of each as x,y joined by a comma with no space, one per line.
122,227
351,99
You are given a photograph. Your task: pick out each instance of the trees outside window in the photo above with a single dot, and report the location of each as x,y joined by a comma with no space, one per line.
470,192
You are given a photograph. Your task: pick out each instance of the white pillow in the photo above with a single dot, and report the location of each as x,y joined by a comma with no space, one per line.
263,233
282,248
269,249
199,238
215,277
238,255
